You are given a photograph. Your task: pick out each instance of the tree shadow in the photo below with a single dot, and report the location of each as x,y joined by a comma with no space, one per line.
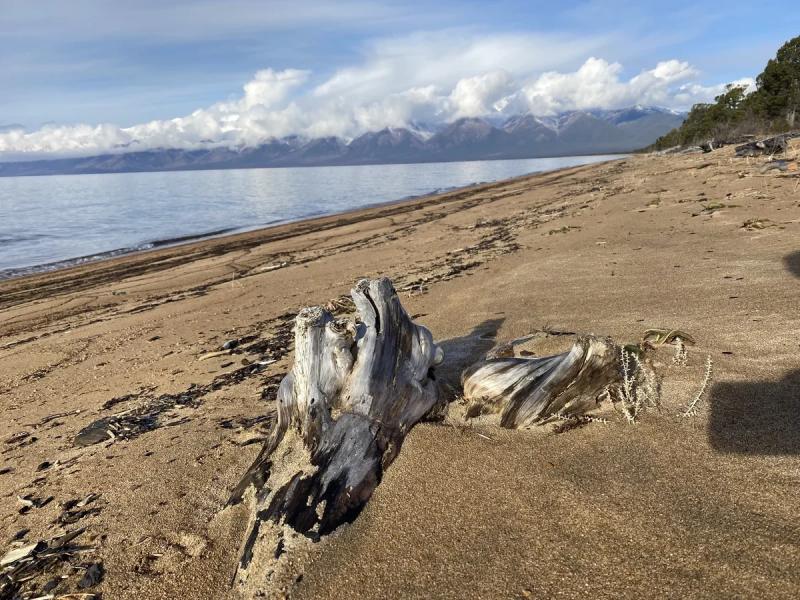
461,352
756,417
792,262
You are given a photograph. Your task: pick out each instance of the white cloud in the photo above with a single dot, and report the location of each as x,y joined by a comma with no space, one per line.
479,95
268,88
691,93
598,84
424,77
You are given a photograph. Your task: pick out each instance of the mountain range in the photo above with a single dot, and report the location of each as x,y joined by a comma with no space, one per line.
520,136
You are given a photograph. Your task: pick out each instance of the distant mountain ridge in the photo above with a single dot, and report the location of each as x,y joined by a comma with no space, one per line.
519,136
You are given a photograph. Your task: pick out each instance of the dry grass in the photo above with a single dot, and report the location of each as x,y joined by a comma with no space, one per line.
640,388
692,408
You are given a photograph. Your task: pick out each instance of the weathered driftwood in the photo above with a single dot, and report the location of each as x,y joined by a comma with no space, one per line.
780,165
527,391
712,145
773,145
354,392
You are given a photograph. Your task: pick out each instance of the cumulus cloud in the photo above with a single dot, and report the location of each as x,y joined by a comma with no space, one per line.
691,93
268,88
423,78
598,84
479,95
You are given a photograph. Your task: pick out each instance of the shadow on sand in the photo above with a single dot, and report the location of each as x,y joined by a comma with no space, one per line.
461,352
755,417
758,417
792,262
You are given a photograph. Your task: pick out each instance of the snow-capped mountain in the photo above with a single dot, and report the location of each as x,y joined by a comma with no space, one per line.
518,136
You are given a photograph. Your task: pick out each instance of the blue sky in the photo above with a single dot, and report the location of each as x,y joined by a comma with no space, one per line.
93,62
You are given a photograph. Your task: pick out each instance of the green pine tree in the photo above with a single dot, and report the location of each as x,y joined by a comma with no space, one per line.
778,95
774,106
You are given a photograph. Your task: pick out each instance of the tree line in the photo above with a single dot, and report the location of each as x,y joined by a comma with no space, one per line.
772,107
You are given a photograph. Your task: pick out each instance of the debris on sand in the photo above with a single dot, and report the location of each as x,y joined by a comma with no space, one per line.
94,575
208,355
711,145
349,433
272,267
23,570
148,416
29,502
756,224
76,509
773,145
780,165
230,344
18,554
131,423
21,437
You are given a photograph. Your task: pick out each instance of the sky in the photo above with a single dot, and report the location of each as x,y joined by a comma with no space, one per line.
89,76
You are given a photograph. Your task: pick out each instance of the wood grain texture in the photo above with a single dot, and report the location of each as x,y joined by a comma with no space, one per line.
528,391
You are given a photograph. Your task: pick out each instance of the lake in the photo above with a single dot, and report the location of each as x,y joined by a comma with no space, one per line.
57,221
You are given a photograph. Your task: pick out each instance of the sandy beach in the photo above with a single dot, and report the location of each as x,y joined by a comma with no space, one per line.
702,506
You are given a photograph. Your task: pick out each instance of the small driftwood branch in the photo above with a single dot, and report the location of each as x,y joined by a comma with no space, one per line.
354,392
529,391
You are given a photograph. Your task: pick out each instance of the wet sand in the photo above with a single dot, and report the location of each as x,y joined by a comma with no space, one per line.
672,506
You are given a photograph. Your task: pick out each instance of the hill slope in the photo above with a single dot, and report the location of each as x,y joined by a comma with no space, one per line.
773,106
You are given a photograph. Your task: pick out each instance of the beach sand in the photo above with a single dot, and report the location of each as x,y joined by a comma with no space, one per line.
702,506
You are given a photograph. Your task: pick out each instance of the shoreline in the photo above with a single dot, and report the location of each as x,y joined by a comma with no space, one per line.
312,166
151,244
133,260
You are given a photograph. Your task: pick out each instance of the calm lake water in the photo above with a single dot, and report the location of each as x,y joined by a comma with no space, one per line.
52,222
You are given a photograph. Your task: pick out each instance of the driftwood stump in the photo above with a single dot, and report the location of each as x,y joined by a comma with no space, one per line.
355,390
528,391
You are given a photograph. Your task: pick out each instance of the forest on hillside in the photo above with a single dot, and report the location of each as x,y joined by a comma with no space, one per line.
772,107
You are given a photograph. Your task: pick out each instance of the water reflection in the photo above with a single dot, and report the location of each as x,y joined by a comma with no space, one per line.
48,219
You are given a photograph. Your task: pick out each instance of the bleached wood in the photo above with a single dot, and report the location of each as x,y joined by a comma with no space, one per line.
527,391
355,390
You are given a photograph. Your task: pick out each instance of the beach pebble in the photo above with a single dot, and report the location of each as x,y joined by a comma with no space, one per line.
230,344
92,435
